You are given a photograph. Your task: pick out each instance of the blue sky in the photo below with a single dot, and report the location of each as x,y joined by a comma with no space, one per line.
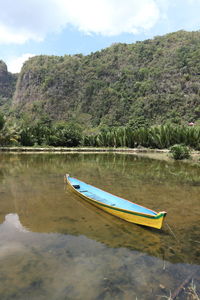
58,27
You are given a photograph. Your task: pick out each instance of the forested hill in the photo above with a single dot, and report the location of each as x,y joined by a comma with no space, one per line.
7,86
147,82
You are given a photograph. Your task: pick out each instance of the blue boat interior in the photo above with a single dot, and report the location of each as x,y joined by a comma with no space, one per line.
107,198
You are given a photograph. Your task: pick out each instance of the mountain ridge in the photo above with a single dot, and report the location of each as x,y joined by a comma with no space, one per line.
144,83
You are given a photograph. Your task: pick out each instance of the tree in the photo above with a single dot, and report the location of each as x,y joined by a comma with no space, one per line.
2,121
66,134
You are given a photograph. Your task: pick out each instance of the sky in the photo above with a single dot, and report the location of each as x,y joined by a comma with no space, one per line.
59,27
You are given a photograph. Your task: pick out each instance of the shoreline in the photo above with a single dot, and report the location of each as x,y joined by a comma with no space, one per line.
152,153
81,149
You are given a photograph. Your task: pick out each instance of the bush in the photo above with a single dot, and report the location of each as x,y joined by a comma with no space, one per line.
180,152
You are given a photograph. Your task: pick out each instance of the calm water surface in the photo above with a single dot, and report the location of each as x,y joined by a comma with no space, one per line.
54,245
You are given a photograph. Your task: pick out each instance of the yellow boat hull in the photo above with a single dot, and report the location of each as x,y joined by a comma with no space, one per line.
155,221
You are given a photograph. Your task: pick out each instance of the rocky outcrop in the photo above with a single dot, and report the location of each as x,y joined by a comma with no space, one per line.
7,81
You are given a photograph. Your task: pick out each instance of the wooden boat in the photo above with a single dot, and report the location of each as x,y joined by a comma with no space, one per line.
115,205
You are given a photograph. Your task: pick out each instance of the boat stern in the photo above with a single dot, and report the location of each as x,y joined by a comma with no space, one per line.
159,218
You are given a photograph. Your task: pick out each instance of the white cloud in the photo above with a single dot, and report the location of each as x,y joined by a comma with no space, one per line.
10,35
24,20
14,221
111,17
15,63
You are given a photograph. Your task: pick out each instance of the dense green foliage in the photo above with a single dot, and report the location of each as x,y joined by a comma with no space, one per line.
161,137
180,152
46,133
9,133
134,85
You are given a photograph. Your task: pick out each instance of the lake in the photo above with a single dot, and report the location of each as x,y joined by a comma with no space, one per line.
54,245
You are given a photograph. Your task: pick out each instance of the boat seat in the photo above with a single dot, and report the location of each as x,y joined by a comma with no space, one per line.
76,186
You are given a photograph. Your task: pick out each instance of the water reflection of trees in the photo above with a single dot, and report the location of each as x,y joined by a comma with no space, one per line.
143,168
32,186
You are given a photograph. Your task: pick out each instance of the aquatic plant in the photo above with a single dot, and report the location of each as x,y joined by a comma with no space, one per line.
191,291
180,152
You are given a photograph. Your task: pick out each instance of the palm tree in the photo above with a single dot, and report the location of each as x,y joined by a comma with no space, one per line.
9,135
